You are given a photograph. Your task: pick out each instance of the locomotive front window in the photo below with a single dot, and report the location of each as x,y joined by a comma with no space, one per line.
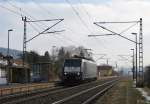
72,65
72,69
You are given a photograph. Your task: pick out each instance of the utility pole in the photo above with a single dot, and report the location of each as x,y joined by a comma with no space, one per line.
102,56
8,41
88,53
53,56
107,61
25,41
141,73
116,64
24,19
133,69
45,31
136,64
8,57
117,68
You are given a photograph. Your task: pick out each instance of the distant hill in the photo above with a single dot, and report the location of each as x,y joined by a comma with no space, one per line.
12,52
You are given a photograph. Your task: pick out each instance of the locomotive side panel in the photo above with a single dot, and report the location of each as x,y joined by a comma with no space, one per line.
89,69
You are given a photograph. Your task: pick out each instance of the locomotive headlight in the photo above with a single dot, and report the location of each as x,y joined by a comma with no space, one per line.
65,73
78,73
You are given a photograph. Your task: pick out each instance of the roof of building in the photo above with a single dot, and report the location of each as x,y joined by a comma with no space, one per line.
104,67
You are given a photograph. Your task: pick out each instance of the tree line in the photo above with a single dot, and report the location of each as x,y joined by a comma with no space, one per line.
56,60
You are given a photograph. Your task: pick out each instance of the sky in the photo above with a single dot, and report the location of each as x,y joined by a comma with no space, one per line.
78,16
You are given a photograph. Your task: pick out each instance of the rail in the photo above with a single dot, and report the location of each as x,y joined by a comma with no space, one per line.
56,95
86,91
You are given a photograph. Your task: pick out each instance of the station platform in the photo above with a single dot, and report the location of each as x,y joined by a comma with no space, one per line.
17,87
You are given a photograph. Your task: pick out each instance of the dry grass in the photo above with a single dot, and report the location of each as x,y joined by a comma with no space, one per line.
147,90
122,93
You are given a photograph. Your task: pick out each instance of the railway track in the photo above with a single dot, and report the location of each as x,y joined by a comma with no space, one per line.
88,95
12,97
70,95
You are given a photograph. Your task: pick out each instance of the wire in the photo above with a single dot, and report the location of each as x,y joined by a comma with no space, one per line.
115,33
70,39
10,10
87,13
48,12
90,18
23,13
42,7
118,22
77,14
45,30
34,27
28,18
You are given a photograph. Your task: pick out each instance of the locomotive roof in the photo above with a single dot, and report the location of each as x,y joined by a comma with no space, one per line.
80,59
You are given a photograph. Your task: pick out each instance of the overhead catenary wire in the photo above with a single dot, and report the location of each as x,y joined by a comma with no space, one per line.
117,22
37,30
44,9
119,33
114,32
78,15
22,12
33,19
48,12
10,10
25,13
45,30
87,13
123,31
90,18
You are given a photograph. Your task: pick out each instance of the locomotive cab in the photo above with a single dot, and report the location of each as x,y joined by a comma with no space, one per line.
72,70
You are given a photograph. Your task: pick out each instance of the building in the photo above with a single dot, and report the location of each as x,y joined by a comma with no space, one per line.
3,71
41,72
3,78
104,70
13,72
19,74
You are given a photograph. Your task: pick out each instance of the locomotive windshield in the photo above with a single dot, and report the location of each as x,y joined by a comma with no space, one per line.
72,65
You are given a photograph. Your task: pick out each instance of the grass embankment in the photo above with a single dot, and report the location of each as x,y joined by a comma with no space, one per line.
122,93
147,90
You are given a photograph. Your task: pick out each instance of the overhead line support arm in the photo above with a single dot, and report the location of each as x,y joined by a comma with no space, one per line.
43,32
114,32
46,20
117,22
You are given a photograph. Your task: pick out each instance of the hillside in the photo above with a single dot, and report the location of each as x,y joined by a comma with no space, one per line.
13,52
